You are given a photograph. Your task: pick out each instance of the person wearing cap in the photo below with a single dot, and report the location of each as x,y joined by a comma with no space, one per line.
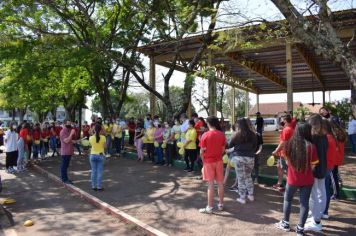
259,123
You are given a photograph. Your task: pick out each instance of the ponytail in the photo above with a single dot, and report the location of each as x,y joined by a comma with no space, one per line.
97,132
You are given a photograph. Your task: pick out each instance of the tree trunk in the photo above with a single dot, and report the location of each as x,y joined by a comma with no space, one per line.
327,43
126,79
22,113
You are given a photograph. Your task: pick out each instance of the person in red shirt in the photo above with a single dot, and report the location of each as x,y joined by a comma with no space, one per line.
25,134
341,138
45,135
212,147
286,134
333,159
86,129
132,127
36,138
301,156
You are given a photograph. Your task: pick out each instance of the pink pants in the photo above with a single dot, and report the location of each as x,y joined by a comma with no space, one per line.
138,144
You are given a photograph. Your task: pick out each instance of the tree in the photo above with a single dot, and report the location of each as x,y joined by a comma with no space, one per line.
301,112
343,109
240,101
320,35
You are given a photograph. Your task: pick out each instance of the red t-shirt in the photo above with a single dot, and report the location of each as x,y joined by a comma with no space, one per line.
58,130
131,126
286,134
331,152
293,123
197,127
304,178
340,153
86,129
25,135
45,133
213,141
36,134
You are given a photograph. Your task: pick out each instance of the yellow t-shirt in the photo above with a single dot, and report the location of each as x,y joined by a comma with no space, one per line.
150,135
191,135
108,128
97,148
117,131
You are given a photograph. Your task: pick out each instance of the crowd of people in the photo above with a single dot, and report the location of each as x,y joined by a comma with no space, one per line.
309,154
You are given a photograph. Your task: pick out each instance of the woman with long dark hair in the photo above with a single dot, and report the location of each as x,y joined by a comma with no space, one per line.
301,158
244,142
97,142
318,195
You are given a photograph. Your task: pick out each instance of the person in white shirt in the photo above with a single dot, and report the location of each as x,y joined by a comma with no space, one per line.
123,125
184,127
352,133
10,141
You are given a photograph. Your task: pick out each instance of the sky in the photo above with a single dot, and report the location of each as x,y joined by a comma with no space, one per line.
248,9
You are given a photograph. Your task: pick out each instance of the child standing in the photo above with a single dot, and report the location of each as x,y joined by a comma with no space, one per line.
212,147
301,157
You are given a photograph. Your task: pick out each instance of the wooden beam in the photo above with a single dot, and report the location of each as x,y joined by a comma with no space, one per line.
309,60
152,77
289,75
258,67
211,89
228,80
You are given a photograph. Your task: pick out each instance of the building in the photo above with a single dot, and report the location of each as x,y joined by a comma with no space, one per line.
277,109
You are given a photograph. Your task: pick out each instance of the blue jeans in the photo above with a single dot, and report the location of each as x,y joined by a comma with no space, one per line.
304,194
53,144
36,148
123,140
108,144
96,163
64,167
329,190
159,153
117,144
353,142
45,149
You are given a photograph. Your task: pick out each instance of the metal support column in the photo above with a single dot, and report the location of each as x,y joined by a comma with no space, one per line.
258,102
289,76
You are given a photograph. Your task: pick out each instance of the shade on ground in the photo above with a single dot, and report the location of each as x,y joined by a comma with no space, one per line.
168,199
54,210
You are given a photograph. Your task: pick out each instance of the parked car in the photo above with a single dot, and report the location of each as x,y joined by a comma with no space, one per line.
269,124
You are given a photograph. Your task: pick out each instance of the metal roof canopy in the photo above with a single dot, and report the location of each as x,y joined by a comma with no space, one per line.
265,67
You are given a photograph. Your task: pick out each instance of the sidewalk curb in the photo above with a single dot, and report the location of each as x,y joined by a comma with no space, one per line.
100,204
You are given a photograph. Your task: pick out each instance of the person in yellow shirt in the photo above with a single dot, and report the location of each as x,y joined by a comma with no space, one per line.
108,126
150,148
190,146
117,134
97,142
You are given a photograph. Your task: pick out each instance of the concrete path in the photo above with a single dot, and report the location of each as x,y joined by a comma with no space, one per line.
168,199
54,210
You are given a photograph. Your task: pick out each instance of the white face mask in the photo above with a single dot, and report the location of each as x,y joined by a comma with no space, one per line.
14,127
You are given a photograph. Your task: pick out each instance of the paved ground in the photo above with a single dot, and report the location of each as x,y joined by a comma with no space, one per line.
168,199
54,210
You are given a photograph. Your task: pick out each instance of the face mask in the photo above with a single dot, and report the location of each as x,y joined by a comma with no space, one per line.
177,122
68,126
14,127
282,123
167,126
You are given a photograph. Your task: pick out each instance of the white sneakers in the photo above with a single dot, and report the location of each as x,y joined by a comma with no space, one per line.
209,210
241,200
206,210
311,225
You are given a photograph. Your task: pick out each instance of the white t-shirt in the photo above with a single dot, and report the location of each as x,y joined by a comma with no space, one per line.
123,125
184,127
10,141
352,127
